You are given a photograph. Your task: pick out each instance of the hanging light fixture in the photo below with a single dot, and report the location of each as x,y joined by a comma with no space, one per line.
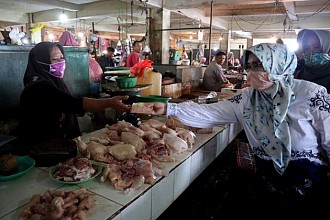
146,50
200,31
63,17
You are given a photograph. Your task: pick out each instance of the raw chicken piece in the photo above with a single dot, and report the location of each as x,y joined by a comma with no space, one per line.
60,205
82,146
142,108
113,135
98,152
101,140
137,182
152,136
159,172
176,144
173,122
93,150
122,151
187,136
160,152
146,127
105,173
140,167
144,168
133,139
115,173
128,181
155,123
167,130
150,133
121,126
155,163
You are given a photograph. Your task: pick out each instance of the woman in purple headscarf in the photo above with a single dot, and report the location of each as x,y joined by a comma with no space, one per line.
47,108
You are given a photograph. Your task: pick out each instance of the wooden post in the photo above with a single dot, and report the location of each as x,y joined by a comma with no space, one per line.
210,35
94,48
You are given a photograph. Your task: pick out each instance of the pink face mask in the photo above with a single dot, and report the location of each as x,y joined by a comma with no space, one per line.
259,80
57,69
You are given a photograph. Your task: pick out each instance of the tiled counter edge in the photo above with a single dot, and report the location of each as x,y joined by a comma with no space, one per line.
152,203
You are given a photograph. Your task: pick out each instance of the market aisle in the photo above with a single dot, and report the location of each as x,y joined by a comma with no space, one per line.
224,190
205,197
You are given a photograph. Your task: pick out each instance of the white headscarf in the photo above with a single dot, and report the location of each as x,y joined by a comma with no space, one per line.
266,112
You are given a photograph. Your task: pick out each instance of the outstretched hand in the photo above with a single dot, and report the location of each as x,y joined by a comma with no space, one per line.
116,103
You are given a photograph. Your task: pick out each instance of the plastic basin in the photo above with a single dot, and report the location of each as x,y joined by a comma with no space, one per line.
125,82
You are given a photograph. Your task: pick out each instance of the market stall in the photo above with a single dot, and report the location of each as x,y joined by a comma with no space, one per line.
147,202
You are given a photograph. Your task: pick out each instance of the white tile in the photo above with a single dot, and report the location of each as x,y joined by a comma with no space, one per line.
117,217
102,210
18,192
196,164
140,209
112,194
224,137
210,150
234,130
162,195
220,145
181,177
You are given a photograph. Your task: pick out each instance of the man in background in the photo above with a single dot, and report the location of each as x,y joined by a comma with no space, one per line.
134,56
107,59
214,78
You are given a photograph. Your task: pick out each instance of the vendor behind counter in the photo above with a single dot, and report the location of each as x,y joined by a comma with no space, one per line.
214,78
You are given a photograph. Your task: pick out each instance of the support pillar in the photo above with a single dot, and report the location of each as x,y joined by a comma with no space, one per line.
160,40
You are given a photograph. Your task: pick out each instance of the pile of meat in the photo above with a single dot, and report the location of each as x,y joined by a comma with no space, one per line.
74,170
133,156
57,204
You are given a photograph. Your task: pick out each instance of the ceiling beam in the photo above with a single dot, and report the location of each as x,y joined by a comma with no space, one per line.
57,4
290,10
97,10
17,17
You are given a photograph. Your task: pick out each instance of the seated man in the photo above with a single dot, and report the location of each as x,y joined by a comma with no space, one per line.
107,59
214,78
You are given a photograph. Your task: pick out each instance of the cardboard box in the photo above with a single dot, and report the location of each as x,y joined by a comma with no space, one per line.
172,90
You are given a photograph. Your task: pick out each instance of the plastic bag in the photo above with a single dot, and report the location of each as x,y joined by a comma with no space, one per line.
16,36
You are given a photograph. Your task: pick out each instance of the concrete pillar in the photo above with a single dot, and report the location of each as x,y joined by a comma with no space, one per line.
249,43
159,40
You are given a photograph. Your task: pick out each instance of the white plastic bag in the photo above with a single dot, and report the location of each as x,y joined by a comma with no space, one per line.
16,36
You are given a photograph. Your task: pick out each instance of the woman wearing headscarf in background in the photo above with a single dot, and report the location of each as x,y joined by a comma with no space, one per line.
314,57
286,122
48,110
68,39
231,59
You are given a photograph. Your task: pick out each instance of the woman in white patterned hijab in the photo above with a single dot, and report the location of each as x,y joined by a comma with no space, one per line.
285,120
266,112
